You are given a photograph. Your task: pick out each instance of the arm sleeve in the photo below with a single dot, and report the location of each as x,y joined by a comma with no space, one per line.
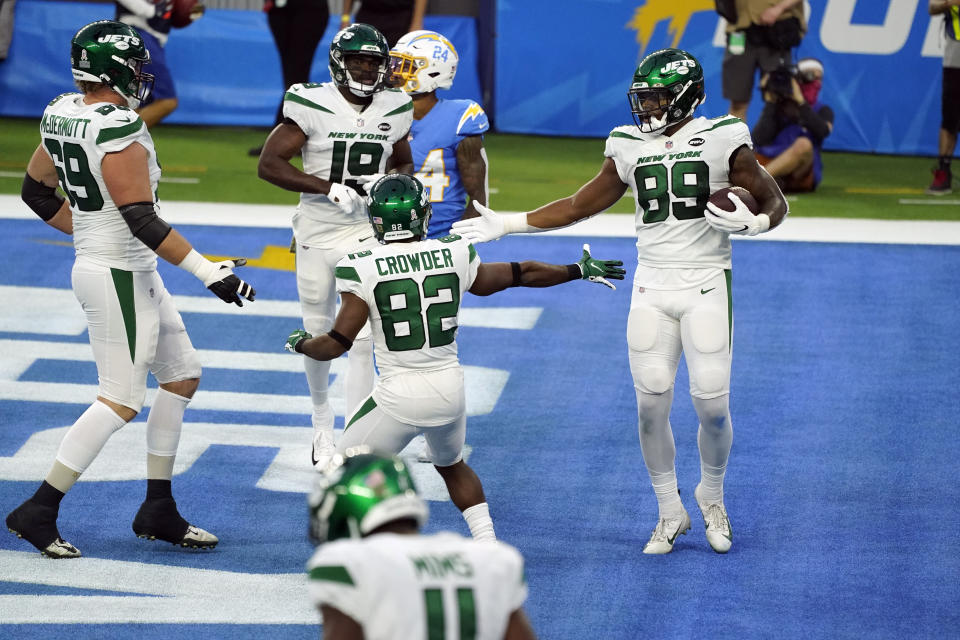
765,130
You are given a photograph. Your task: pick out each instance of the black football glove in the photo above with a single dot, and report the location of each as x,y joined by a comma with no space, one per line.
231,288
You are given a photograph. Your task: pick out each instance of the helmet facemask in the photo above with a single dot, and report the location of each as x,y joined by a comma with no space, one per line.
363,78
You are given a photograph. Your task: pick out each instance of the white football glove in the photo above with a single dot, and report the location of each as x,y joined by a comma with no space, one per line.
490,225
370,180
740,221
349,201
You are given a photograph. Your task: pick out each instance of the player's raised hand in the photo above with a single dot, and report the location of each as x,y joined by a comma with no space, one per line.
599,270
487,226
295,339
349,201
227,286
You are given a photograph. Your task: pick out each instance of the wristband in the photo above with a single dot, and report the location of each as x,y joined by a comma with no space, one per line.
200,267
345,17
344,341
515,266
764,222
517,223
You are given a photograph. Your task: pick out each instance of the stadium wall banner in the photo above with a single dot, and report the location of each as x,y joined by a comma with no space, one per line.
225,65
882,62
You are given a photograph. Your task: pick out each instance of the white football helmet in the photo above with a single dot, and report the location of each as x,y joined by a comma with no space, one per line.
423,61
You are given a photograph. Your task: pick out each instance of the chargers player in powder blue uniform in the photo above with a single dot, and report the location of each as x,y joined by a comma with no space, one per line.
446,137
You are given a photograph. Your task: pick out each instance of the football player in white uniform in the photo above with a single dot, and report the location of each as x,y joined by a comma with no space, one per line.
348,131
100,152
681,300
376,577
410,289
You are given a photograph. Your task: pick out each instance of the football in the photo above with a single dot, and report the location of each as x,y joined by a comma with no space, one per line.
184,12
720,199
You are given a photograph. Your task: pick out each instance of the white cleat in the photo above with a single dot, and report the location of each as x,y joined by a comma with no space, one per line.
668,529
323,450
719,533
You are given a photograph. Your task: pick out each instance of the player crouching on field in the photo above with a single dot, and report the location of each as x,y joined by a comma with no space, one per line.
410,288
375,575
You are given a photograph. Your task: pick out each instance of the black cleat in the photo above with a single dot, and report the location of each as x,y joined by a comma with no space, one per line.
37,524
160,520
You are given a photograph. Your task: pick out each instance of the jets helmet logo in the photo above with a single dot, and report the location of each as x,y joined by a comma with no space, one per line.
680,66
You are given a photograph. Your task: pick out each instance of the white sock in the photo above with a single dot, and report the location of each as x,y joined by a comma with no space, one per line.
478,519
665,486
323,419
711,483
86,437
164,423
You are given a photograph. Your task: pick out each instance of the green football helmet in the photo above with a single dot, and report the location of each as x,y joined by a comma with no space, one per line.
399,208
112,53
360,492
359,40
667,87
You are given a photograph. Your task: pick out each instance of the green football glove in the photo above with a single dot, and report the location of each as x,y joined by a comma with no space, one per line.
295,339
599,270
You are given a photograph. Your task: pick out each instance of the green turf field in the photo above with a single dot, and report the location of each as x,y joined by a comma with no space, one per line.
211,164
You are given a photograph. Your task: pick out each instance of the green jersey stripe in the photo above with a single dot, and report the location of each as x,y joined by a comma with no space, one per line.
292,97
331,574
723,123
347,273
621,134
113,133
473,253
399,110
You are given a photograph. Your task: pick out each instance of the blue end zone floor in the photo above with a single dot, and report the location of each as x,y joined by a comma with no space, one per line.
840,488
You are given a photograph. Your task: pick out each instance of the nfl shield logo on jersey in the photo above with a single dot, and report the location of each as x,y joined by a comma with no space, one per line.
360,122
669,144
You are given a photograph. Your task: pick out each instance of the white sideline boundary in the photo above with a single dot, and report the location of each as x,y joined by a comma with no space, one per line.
928,232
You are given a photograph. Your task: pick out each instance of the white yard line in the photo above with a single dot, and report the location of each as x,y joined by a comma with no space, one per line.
932,232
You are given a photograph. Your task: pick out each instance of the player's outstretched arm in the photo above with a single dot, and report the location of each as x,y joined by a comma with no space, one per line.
39,192
497,276
333,344
127,177
592,198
